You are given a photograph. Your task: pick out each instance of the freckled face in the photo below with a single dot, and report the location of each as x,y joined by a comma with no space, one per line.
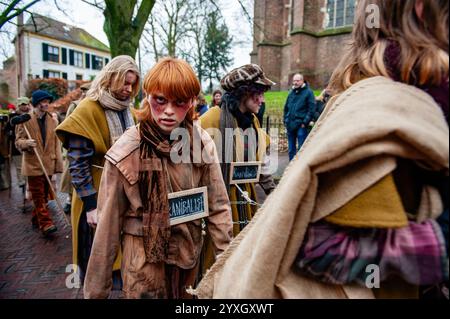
168,114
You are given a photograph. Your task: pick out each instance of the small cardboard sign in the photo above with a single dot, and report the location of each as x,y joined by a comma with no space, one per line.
244,172
188,205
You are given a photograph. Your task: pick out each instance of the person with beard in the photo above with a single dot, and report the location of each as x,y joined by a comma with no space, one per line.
159,260
94,126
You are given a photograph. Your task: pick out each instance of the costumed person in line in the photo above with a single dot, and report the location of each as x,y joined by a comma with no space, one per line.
87,134
66,181
159,260
216,98
41,128
244,89
368,196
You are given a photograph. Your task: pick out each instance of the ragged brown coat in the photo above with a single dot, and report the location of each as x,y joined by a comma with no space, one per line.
50,153
120,211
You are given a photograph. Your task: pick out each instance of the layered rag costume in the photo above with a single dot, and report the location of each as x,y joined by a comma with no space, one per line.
249,144
159,260
42,130
87,134
353,171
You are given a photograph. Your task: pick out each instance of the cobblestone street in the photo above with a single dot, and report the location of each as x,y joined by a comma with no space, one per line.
32,266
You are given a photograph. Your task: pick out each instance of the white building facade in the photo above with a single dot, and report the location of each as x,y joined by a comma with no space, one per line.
45,57
47,48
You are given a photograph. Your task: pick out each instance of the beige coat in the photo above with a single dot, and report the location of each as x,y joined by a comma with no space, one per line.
50,153
356,143
120,210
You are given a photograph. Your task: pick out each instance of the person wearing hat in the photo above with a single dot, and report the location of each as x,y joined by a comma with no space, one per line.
23,106
66,180
43,140
244,90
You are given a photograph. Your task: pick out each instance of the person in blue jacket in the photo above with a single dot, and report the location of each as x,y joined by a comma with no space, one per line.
298,112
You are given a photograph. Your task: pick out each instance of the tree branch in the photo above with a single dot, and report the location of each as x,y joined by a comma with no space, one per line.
95,4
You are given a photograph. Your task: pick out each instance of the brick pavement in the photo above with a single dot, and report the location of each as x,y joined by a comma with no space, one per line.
32,266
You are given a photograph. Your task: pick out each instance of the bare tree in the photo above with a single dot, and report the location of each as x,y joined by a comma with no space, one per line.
168,26
13,9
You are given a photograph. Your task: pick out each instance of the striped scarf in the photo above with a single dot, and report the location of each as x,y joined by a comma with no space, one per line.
112,108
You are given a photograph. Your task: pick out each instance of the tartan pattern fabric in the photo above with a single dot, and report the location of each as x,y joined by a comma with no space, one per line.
249,73
340,255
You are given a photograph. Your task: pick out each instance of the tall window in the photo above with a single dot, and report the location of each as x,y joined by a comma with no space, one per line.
340,13
53,54
54,74
78,59
97,62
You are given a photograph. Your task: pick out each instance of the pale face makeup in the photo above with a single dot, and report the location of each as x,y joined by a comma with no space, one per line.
168,114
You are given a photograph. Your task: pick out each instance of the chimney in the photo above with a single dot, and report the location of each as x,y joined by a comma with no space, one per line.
19,50
19,23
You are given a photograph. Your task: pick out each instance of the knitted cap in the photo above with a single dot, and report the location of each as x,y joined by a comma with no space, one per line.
40,95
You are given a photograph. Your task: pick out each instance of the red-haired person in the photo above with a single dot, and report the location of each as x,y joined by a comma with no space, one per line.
159,260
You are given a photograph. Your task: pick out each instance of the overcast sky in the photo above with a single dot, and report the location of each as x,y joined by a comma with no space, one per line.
87,17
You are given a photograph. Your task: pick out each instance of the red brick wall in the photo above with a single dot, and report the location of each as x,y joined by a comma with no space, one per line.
313,56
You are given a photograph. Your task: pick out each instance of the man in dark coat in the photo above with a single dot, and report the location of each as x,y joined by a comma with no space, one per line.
298,112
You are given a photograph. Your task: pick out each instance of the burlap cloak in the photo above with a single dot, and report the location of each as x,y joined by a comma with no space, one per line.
354,145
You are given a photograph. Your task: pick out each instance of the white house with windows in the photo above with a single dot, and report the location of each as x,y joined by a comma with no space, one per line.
46,48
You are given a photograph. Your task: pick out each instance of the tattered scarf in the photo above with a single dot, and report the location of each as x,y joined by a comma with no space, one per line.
153,181
112,106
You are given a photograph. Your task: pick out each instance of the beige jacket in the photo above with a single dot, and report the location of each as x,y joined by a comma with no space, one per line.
355,144
120,210
50,153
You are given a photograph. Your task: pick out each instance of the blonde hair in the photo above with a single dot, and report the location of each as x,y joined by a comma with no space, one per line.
112,77
422,42
174,78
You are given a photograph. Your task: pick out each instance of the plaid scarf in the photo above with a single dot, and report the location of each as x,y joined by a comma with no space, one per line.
153,180
112,107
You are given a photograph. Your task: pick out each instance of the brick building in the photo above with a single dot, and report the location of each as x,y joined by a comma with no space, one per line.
306,36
